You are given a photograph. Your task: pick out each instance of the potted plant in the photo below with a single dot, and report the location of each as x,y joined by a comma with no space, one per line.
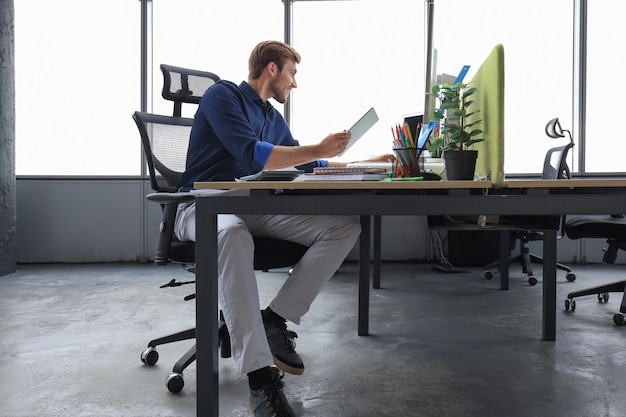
457,132
435,147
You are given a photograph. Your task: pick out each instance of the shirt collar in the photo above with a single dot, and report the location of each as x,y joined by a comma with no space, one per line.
253,95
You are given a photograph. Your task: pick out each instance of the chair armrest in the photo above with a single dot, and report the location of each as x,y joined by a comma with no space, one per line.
169,203
168,198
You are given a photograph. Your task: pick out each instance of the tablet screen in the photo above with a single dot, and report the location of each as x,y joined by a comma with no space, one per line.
361,126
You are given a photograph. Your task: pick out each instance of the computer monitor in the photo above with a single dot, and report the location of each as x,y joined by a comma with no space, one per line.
414,121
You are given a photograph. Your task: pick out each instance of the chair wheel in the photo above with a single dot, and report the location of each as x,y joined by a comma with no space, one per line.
618,319
570,276
532,281
150,356
570,304
488,274
603,297
175,383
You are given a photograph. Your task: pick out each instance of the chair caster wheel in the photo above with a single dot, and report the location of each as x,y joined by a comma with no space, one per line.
603,297
570,276
618,319
532,281
488,274
150,356
175,383
570,304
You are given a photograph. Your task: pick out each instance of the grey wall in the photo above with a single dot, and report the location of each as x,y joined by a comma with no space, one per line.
81,220
7,140
109,220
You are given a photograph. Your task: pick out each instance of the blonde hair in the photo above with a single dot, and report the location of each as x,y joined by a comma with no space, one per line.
270,51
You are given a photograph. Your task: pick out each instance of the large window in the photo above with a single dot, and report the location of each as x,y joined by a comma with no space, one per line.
76,86
358,54
605,88
78,76
215,36
538,65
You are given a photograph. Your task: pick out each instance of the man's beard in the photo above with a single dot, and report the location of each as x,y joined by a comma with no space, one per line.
277,93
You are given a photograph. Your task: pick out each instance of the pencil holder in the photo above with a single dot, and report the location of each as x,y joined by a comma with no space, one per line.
406,164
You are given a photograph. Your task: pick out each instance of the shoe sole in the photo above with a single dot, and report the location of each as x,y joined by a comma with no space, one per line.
289,369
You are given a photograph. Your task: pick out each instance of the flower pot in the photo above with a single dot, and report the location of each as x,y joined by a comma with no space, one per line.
460,165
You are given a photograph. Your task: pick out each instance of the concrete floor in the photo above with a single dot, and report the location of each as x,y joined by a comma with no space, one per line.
441,345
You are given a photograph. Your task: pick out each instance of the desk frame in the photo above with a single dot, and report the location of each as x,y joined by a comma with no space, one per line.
560,197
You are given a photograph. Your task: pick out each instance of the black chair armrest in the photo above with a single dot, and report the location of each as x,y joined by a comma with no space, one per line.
169,203
168,198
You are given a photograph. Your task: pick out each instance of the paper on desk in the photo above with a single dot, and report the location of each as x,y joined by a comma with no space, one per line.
214,192
385,165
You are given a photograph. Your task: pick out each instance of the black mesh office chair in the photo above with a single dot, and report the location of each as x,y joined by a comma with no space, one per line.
554,167
165,140
613,229
162,137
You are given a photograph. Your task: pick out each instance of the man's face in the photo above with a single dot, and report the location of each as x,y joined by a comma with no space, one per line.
284,81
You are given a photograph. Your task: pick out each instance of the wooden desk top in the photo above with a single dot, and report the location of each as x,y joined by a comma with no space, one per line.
343,185
570,183
409,185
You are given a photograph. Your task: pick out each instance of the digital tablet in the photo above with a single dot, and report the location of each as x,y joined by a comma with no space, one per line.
361,126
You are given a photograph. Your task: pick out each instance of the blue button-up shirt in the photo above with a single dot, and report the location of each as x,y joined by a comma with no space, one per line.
233,134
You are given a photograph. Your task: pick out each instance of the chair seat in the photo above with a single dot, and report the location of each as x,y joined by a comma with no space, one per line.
269,253
272,253
531,223
601,227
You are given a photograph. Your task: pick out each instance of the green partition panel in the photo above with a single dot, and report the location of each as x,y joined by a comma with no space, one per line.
489,99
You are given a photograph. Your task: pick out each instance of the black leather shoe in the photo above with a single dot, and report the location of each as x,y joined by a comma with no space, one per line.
283,347
269,400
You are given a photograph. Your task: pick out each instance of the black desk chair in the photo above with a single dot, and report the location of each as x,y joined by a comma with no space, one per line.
554,167
165,140
613,229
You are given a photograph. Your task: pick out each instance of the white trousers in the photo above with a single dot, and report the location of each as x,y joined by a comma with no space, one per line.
329,238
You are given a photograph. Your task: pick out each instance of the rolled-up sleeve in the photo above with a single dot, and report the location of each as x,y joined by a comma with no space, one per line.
262,151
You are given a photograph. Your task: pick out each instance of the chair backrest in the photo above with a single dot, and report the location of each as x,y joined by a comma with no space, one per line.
165,140
555,164
184,85
555,168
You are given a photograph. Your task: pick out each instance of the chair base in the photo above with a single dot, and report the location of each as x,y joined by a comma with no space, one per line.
175,381
602,292
525,258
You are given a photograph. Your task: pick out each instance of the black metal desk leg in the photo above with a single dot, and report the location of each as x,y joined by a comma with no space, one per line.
505,253
549,285
207,398
377,247
364,277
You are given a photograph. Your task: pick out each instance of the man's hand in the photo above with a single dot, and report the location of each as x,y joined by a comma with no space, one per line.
286,156
334,144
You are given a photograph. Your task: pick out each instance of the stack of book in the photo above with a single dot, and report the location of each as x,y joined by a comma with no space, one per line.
346,174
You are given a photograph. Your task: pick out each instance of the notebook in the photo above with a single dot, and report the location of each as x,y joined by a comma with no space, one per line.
362,125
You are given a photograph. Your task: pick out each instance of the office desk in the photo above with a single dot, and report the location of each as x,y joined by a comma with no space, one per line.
366,199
